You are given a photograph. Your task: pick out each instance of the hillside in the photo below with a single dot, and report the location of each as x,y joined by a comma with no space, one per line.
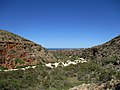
108,50
100,71
17,51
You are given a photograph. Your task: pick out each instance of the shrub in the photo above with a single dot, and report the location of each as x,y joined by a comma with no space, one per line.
19,61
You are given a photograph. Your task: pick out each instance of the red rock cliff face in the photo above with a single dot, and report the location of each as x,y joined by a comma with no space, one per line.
17,51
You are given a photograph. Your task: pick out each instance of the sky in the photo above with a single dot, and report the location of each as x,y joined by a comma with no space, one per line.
62,23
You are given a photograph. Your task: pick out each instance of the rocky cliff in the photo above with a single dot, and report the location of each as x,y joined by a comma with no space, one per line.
17,51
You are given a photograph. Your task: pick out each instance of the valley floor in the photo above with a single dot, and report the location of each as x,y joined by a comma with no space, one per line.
51,65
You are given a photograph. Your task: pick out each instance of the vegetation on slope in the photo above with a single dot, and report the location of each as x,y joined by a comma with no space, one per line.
60,78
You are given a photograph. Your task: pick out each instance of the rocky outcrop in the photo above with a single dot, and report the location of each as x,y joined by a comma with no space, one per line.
111,85
17,51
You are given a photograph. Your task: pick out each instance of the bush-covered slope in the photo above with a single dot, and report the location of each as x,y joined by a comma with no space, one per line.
60,78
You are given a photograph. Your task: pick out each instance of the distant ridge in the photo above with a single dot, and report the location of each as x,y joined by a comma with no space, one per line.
63,48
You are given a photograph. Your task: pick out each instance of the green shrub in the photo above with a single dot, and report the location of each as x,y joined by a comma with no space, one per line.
19,61
2,68
109,60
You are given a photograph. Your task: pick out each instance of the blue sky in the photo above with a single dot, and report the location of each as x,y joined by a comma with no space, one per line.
62,23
